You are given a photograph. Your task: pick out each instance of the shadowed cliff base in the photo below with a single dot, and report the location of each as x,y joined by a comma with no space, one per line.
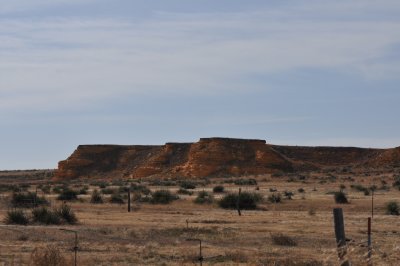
215,157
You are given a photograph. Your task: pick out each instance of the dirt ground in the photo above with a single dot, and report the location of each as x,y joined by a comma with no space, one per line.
157,234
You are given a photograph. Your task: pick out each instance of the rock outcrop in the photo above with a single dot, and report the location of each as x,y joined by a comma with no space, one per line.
213,157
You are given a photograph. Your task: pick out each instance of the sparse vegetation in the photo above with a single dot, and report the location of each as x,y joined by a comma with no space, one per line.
184,191
247,201
187,185
275,198
340,197
27,200
392,208
96,197
66,214
43,215
162,197
218,189
68,194
48,256
204,197
117,198
16,216
283,240
245,182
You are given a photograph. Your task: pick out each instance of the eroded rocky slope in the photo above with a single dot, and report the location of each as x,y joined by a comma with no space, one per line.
214,157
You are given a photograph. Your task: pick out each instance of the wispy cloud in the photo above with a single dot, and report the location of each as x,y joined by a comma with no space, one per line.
48,63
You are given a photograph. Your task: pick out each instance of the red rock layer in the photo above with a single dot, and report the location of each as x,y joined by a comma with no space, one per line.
213,157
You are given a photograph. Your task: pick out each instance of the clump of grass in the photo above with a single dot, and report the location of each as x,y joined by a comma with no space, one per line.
49,256
301,190
283,240
204,197
275,198
43,215
116,198
245,182
68,194
187,184
66,214
288,194
392,208
247,201
96,197
162,197
83,191
184,191
340,197
26,200
140,188
16,217
219,189
312,211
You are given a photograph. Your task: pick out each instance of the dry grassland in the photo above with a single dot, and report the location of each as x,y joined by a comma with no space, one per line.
155,234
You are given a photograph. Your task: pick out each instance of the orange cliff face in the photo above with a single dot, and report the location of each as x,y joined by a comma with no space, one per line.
208,157
214,157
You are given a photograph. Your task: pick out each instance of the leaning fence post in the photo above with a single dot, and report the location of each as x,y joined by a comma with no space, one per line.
238,202
339,231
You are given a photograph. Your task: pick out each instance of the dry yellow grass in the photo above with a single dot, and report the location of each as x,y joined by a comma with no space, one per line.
156,234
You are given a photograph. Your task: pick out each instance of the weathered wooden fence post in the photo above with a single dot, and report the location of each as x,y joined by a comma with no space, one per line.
372,203
339,232
200,258
369,240
238,202
129,199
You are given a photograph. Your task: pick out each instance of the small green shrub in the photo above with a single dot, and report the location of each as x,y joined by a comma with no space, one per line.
162,197
83,191
96,197
392,208
184,191
218,189
247,201
288,194
116,198
16,217
68,194
27,200
43,215
283,240
140,188
340,197
245,182
66,214
275,198
301,190
187,185
204,197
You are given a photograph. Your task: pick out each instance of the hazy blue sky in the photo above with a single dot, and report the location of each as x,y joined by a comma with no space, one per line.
147,72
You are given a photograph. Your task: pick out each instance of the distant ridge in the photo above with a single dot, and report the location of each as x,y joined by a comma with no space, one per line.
215,157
